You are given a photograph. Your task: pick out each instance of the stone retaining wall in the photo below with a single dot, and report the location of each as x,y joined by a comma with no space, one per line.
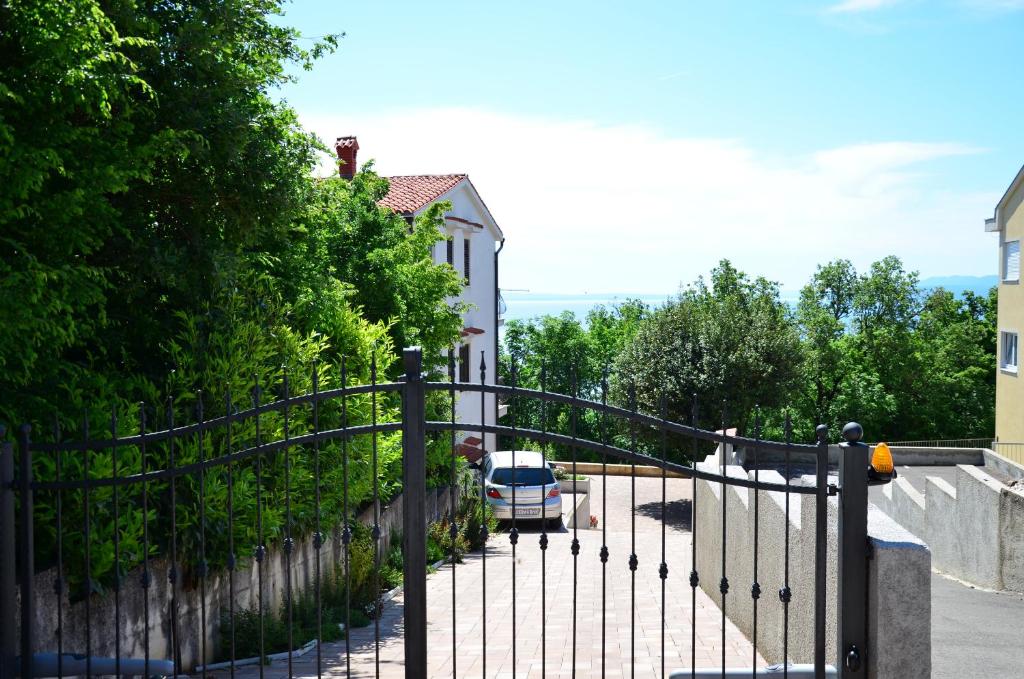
134,599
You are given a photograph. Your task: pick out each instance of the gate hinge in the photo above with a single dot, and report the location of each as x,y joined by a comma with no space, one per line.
833,489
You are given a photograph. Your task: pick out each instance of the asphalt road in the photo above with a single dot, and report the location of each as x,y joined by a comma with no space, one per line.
976,633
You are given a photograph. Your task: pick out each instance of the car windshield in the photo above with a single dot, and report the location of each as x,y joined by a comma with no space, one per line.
524,476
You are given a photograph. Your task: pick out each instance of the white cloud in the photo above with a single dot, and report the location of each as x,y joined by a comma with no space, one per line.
852,6
600,208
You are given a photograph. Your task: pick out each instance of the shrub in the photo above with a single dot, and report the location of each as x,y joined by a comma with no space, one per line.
473,515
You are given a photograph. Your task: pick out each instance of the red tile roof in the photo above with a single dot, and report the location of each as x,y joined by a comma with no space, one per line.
410,193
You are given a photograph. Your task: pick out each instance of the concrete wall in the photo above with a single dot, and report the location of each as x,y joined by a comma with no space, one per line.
1007,467
902,618
899,601
246,581
1011,540
911,456
902,455
975,529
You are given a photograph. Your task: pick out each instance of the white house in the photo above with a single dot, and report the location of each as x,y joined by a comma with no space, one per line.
472,246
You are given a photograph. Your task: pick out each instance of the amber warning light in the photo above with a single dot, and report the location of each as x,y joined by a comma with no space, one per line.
882,468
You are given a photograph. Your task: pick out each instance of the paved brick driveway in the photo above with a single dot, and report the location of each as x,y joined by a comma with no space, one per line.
468,627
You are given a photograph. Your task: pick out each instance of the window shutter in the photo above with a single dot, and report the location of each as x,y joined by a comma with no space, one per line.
465,258
451,250
1011,266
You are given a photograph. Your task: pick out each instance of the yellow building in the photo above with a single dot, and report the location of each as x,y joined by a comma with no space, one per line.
1008,222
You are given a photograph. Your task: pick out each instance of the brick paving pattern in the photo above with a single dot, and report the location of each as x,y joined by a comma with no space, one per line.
468,628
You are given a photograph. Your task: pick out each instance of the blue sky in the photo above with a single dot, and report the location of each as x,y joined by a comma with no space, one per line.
652,139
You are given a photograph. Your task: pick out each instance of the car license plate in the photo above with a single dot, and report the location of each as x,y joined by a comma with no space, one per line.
523,511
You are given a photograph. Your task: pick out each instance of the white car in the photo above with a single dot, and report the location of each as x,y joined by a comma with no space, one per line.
526,477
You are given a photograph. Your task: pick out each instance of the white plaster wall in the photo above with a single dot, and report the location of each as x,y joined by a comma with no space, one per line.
479,294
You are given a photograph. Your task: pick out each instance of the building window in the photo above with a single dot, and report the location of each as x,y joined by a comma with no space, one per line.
1008,358
464,363
1011,260
465,259
451,250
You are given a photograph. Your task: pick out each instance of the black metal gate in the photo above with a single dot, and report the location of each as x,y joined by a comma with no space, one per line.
157,514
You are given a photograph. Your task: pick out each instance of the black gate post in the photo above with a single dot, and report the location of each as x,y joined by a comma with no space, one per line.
26,550
851,624
820,551
414,521
8,555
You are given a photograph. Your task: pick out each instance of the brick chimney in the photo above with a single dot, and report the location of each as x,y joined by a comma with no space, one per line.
347,148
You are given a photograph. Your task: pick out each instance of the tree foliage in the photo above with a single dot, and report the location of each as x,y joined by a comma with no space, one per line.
162,233
149,177
729,341
562,354
867,346
904,362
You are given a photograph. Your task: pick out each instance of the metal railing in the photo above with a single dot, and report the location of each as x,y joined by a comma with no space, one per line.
946,443
175,471
1011,450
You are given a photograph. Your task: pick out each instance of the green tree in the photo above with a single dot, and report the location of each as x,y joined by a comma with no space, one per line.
163,234
143,167
68,92
956,340
905,363
384,268
611,328
729,342
837,383
575,357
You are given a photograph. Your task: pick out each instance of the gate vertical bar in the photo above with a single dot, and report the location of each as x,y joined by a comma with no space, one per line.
851,627
8,644
414,533
820,550
26,550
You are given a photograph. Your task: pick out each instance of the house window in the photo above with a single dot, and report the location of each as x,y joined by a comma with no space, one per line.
464,363
451,250
1011,260
465,258
1008,358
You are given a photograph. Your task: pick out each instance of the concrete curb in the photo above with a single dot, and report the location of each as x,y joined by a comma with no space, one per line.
597,469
